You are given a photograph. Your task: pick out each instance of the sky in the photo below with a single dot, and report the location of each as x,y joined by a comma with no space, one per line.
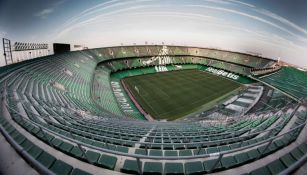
272,28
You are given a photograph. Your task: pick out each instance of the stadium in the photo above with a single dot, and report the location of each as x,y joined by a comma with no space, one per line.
150,109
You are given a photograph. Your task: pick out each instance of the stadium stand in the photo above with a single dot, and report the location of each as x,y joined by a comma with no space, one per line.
61,115
102,91
289,80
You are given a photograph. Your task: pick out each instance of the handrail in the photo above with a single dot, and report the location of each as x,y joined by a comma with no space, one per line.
295,166
37,165
95,123
194,143
207,142
236,117
139,157
216,134
162,157
285,93
205,135
220,154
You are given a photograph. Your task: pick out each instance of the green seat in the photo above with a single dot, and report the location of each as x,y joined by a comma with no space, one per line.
286,139
3,121
253,154
272,147
107,161
46,159
276,166
261,171
76,152
186,152
250,142
111,147
244,143
303,148
211,150
45,136
168,147
130,167
60,167
66,147
170,153
35,151
153,168
173,168
228,161
156,146
208,165
241,158
199,152
235,145
87,141
194,168
288,160
192,146
122,149
9,129
99,144
56,142
26,145
77,171
179,146
224,148
19,138
279,143
296,153
35,130
140,151
155,152
92,156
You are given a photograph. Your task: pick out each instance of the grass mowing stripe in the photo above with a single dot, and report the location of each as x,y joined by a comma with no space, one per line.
171,95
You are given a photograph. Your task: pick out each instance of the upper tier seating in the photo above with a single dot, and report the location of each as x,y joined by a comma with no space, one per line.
52,119
289,80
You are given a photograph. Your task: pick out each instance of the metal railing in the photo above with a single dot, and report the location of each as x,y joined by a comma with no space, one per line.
148,145
233,134
138,158
295,166
199,131
38,166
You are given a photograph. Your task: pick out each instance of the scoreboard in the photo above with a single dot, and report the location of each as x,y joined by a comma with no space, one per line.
60,48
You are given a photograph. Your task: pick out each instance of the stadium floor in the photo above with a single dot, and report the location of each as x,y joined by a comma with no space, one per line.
171,95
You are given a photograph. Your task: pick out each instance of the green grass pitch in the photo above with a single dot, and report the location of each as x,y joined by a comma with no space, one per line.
171,95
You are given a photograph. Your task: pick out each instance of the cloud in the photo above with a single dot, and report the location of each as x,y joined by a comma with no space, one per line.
282,20
102,7
85,18
242,3
59,3
279,36
100,10
257,18
272,15
44,13
2,34
217,1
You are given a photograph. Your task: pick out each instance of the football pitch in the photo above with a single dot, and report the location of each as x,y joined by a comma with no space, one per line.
171,95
